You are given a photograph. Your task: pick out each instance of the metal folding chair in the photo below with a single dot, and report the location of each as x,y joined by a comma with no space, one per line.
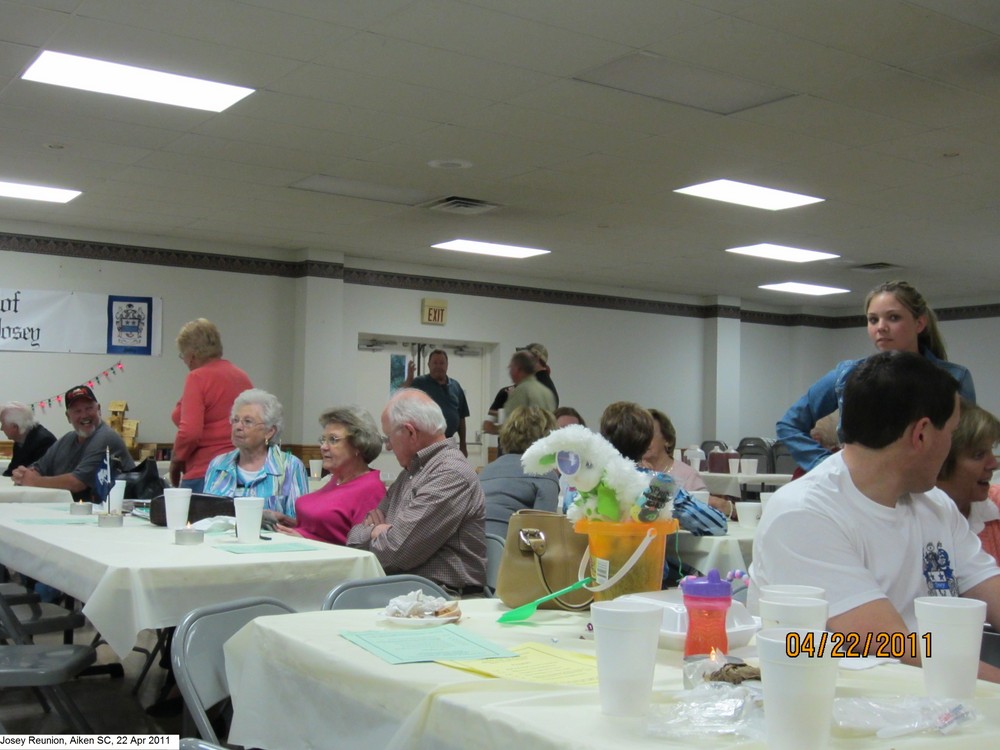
368,593
197,658
494,554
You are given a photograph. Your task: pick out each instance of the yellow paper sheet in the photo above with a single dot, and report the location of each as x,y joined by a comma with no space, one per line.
536,662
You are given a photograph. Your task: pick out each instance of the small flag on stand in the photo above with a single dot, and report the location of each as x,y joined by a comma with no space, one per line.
102,487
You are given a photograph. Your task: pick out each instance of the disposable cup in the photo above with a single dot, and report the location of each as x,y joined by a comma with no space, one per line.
748,514
798,688
626,634
782,592
810,614
116,496
177,501
315,468
249,511
748,465
765,498
954,627
734,466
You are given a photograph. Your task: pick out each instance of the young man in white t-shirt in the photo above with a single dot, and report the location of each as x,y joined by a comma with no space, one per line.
867,524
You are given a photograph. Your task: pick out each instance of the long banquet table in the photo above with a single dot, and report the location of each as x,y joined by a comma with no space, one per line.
12,493
135,577
733,551
296,683
732,485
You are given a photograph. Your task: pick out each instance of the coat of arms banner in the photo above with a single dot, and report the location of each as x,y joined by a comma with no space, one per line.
34,320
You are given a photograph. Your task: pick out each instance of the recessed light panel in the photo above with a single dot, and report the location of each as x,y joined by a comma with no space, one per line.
745,194
781,252
490,248
105,77
795,287
37,192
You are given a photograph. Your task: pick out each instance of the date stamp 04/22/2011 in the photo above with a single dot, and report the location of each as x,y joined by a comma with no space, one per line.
857,645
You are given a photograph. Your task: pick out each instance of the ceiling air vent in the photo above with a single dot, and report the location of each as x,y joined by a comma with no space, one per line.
876,267
454,204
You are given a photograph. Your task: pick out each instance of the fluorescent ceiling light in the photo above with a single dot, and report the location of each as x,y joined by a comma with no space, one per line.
37,192
489,248
781,252
794,287
745,194
105,77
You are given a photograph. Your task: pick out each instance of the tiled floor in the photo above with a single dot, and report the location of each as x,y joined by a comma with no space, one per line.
107,703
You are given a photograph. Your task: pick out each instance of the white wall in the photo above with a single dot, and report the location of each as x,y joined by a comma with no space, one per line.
298,339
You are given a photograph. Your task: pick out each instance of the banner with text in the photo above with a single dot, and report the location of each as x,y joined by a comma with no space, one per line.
40,321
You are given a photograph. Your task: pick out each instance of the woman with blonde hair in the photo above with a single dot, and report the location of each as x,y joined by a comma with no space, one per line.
899,319
507,487
968,470
202,413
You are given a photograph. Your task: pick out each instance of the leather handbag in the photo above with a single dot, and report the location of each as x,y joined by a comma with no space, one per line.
202,506
143,482
542,554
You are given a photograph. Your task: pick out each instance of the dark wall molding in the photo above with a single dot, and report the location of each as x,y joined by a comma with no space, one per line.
439,285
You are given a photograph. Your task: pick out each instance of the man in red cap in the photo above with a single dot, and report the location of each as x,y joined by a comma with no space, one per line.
72,462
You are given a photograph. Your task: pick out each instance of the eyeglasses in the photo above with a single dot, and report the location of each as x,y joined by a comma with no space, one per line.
330,440
246,422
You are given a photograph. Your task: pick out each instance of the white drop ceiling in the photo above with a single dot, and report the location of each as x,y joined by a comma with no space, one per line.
888,109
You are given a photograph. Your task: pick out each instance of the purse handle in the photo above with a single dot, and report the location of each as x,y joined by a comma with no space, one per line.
629,564
531,540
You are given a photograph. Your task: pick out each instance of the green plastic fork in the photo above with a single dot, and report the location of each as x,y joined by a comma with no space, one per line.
527,610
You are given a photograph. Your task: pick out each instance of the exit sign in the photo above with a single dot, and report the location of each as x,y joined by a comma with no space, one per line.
433,312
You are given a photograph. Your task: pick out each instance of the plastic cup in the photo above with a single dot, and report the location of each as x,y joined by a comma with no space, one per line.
116,496
315,468
748,465
805,613
783,592
249,511
734,466
177,500
748,514
626,634
955,628
798,689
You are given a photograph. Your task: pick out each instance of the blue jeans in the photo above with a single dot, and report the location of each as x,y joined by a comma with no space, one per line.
196,486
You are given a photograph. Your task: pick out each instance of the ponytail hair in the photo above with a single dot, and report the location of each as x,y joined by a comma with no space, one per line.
930,338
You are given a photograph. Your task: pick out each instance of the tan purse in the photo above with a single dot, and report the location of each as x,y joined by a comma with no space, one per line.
542,554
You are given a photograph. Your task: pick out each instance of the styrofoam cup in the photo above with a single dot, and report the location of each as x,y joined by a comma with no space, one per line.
955,628
748,465
116,496
177,501
249,511
315,468
805,613
748,514
781,592
765,497
627,634
798,689
734,466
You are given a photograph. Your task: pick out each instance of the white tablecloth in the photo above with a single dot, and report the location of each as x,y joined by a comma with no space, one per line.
732,484
11,493
734,551
134,578
297,684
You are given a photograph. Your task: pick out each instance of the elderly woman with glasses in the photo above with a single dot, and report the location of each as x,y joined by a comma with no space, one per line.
258,467
349,443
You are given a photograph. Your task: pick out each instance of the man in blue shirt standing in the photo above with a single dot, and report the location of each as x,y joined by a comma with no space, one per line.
446,392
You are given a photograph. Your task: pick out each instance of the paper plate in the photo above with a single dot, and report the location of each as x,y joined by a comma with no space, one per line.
415,622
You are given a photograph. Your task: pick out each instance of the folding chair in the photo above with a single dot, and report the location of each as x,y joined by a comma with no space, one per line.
494,554
45,668
197,658
368,593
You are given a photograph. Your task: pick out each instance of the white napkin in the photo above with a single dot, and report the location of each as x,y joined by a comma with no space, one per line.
215,524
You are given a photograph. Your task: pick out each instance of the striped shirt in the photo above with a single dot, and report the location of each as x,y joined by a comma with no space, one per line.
436,510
